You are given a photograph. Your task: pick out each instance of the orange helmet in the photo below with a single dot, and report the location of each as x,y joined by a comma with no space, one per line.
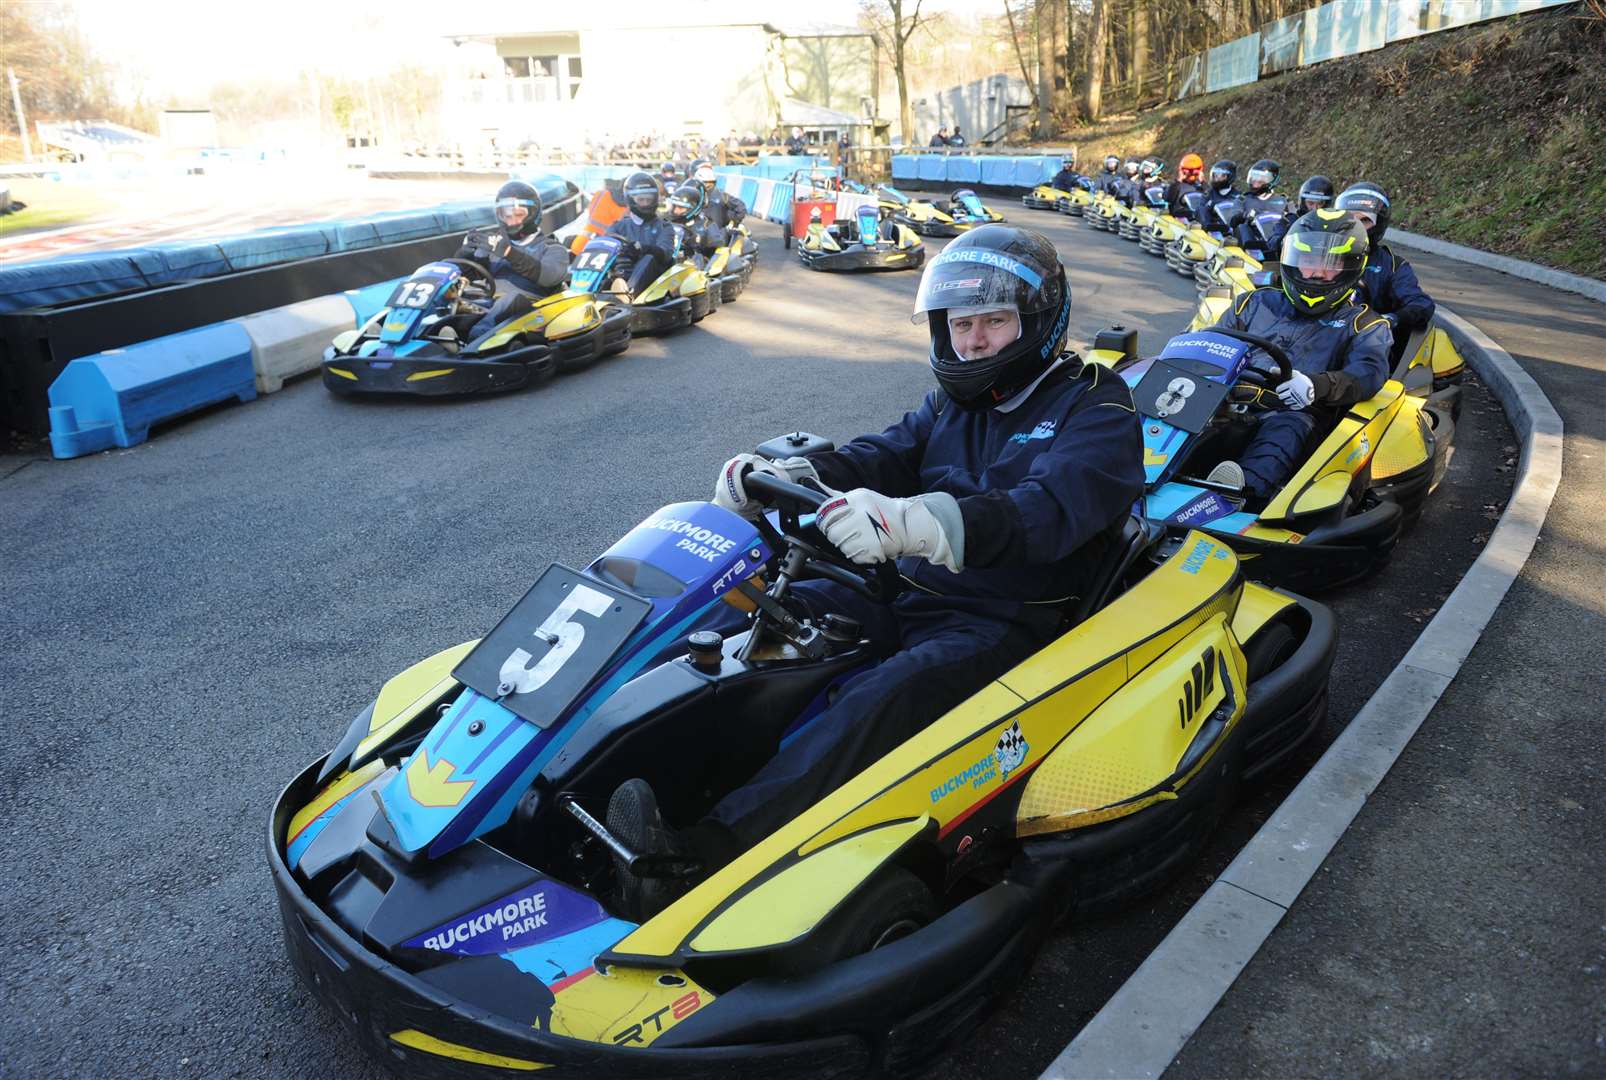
1191,168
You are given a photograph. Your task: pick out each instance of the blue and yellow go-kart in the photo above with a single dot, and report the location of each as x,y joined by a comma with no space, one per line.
1340,515
861,242
963,211
677,297
420,343
447,888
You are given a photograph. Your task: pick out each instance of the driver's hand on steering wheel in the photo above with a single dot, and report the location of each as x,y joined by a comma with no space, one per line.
730,493
871,528
1298,392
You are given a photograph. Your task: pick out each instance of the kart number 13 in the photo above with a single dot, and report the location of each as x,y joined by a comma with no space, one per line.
561,633
414,294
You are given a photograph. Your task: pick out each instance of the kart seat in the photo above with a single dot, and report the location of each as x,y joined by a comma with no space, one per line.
1126,545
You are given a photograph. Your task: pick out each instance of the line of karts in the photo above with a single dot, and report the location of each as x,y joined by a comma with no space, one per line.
880,235
421,342
447,881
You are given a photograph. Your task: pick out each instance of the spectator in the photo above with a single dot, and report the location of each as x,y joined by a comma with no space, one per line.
956,139
795,145
941,138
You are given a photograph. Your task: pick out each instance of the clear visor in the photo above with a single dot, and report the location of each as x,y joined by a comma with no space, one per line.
514,211
1367,219
704,175
1260,176
642,199
1319,257
1220,176
979,280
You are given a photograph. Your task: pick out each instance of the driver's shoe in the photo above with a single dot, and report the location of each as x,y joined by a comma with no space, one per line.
1227,474
634,819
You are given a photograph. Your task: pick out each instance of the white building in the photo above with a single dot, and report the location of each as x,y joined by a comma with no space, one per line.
564,84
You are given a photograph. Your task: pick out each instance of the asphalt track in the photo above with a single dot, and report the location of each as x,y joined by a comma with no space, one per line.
188,622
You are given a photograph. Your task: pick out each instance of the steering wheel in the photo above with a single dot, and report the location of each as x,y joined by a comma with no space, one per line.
478,277
880,582
1254,378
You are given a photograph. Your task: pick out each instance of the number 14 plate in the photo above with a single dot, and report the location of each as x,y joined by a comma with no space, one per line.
559,637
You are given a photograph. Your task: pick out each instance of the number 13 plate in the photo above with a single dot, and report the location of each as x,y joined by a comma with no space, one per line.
545,652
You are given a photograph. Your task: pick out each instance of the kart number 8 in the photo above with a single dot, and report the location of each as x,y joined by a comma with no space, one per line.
562,633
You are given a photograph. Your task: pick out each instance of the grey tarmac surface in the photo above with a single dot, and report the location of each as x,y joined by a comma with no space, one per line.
188,622
1458,928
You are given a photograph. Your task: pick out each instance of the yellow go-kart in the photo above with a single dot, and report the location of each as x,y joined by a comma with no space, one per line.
447,884
677,297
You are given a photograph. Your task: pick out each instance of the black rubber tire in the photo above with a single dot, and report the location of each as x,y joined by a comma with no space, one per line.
1270,646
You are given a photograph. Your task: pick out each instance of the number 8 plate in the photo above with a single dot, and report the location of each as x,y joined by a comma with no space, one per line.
555,641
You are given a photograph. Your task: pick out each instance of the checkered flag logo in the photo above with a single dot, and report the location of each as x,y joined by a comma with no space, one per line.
1011,750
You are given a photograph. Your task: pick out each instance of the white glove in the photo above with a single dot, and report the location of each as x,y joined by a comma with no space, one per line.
730,494
1298,392
870,528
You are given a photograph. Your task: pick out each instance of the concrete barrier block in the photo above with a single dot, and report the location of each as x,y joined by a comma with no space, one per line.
112,398
290,340
369,300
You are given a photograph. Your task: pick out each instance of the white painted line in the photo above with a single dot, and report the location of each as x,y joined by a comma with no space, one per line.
1593,288
1143,1027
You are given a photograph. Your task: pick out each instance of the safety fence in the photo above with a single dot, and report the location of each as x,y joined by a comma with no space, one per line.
1334,30
994,171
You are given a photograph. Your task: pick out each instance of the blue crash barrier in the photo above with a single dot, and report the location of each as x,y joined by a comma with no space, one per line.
1031,171
998,171
275,246
963,170
749,191
112,398
781,204
905,167
932,167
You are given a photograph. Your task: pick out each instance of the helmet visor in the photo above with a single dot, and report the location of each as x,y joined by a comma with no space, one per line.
514,212
1316,259
979,279
1220,177
1263,177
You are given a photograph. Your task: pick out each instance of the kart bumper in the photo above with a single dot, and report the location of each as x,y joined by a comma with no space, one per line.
863,259
1329,556
1032,202
930,228
436,376
1075,209
886,1011
609,336
662,317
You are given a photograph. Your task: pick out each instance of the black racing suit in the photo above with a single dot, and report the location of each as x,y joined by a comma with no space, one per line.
649,249
722,213
1175,192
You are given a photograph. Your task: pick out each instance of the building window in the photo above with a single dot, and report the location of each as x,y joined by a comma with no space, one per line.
516,67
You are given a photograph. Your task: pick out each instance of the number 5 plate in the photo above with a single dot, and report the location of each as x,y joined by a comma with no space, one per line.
545,652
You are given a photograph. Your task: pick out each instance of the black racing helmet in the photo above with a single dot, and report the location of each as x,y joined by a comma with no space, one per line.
518,209
686,202
668,173
1223,173
1132,168
1316,189
642,195
1322,260
1365,198
1263,172
1111,163
996,266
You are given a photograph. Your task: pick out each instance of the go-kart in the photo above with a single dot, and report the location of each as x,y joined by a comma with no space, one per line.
962,212
730,266
446,883
861,242
1106,212
1148,209
1340,514
1047,197
677,297
1209,230
419,342
1081,196
1232,262
1167,228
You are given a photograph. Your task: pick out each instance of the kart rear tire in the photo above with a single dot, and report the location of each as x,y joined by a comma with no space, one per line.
892,905
1268,649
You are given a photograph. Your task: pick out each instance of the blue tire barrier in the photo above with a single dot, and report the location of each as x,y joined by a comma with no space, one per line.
369,300
998,171
905,167
289,341
932,167
963,170
113,398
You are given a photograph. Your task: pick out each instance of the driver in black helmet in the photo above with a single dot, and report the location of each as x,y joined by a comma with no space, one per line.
1107,179
649,242
1221,187
1338,346
1263,176
1065,179
996,495
686,214
1389,283
525,262
1315,193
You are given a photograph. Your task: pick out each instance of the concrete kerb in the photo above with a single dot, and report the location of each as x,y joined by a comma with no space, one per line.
1544,275
1143,1027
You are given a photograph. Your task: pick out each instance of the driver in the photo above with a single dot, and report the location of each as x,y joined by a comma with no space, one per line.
1222,188
1315,193
996,495
1338,346
1065,179
723,210
685,213
1263,176
1389,284
649,242
525,263
1112,173
1190,177
1126,188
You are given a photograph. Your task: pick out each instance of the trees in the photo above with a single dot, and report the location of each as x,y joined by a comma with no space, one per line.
893,23
60,78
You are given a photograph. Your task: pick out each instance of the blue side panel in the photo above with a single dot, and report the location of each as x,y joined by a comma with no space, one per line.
964,170
370,300
1031,171
932,167
905,166
781,203
274,246
190,259
749,191
73,277
410,225
113,398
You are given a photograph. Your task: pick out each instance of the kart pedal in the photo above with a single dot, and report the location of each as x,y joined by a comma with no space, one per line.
640,864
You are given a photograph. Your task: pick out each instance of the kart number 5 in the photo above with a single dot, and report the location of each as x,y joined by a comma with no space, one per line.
562,633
